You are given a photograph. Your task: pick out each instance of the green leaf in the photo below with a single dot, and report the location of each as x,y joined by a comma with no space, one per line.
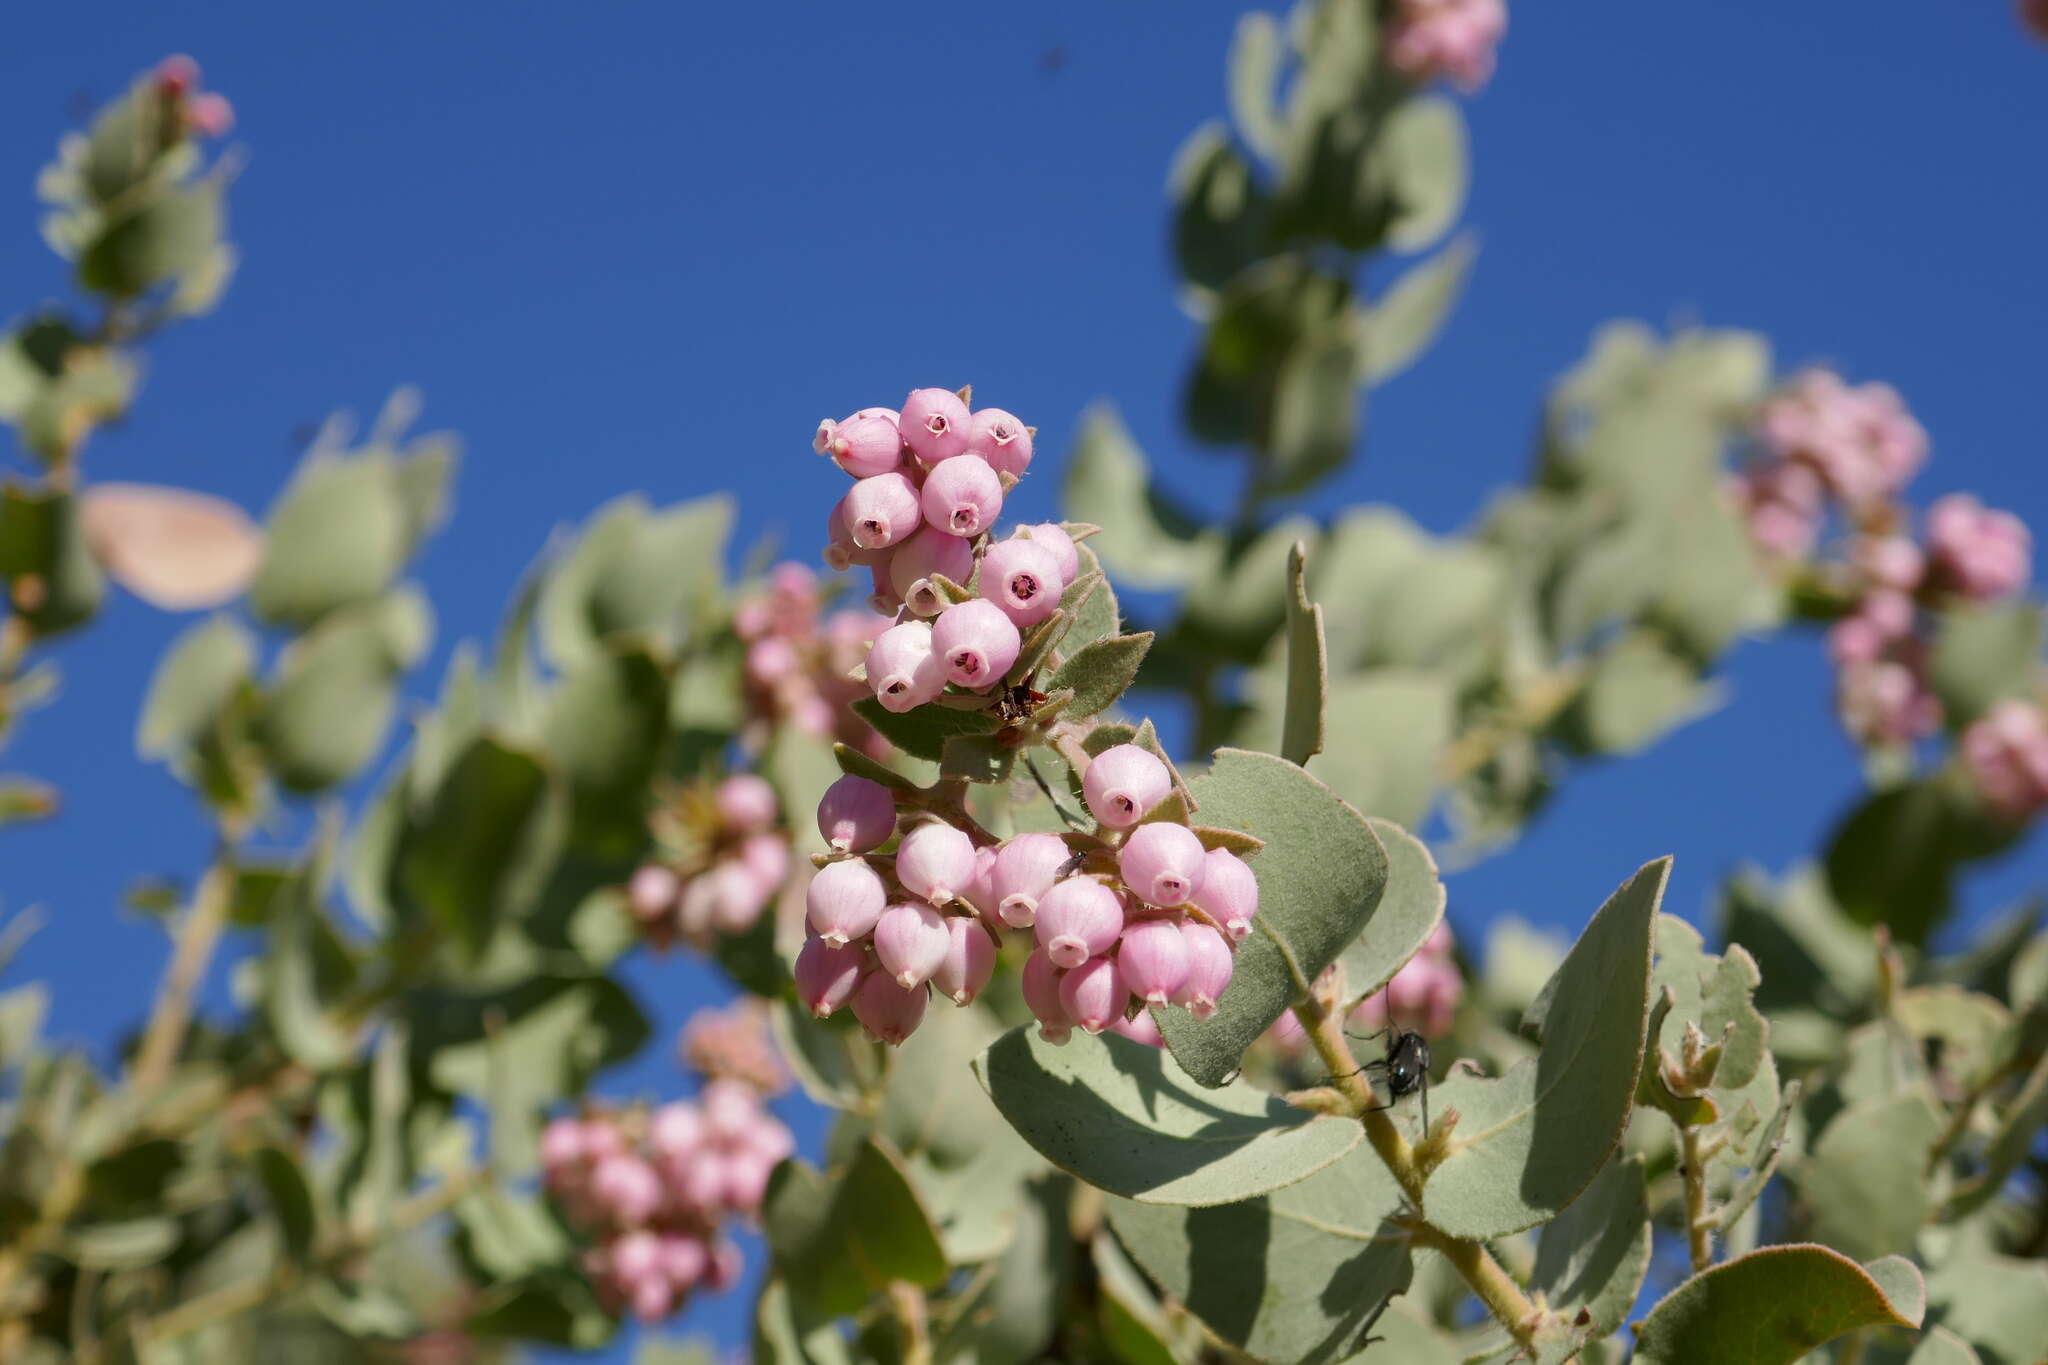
1422,155
1100,672
336,692
1528,1142
1111,1112
1010,1312
2025,1116
25,798
922,732
788,1333
292,993
1762,1160
839,1241
1147,540
1999,1304
53,581
1389,729
291,1200
1773,1306
128,1245
1320,880
1256,49
338,535
1635,691
506,1235
1982,655
1894,860
633,569
481,851
522,1049
1308,666
204,667
1298,1275
1410,909
1091,602
1240,601
557,1308
860,765
1939,1346
1133,1327
1594,1255
170,233
606,728
1866,1178
1411,314
1219,209
1313,420
1713,993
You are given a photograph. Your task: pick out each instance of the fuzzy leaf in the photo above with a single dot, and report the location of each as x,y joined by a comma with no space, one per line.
1320,880
1148,541
1529,1141
1308,666
453,863
1388,731
1410,909
842,1239
1422,151
1712,993
1982,655
1009,1314
1297,1275
1763,1160
1939,1346
192,685
1594,1255
1866,1179
2024,1117
922,732
1773,1306
1110,1111
860,765
1408,317
1999,1304
1894,859
1100,672
338,535
1256,50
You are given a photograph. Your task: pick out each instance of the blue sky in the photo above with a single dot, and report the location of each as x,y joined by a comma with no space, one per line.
648,246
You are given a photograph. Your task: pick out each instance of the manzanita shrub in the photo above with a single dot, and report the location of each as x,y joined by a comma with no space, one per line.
1137,1055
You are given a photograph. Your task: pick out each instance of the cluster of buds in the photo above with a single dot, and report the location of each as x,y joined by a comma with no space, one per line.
799,661
724,857
204,113
1138,913
652,1190
734,1044
1827,445
1452,39
2006,754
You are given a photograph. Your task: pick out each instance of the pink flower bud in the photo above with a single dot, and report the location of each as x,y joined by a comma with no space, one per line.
177,75
883,600
867,443
696,908
1023,579
1094,993
209,114
935,862
929,552
1981,553
731,1109
1889,613
827,975
840,551
886,1010
1123,783
1078,919
703,1181
1025,869
1040,983
969,962
977,644
652,1299
684,1259
1140,1028
2006,754
747,1181
602,1138
935,424
1209,967
627,1189
1052,537
962,497
1162,863
1887,702
902,669
738,895
980,889
1002,440
746,802
856,815
911,942
1229,892
770,661
844,900
727,1265
881,510
766,856
676,1129
1153,957
1892,562
651,894
635,1256
822,440
561,1146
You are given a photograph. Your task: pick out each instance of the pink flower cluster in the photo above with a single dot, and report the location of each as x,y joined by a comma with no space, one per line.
725,856
1454,39
734,1043
203,112
799,660
1826,444
2006,753
653,1190
1423,995
1138,913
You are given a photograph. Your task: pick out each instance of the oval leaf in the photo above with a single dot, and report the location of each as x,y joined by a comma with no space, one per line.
1410,909
1773,1306
1111,1112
